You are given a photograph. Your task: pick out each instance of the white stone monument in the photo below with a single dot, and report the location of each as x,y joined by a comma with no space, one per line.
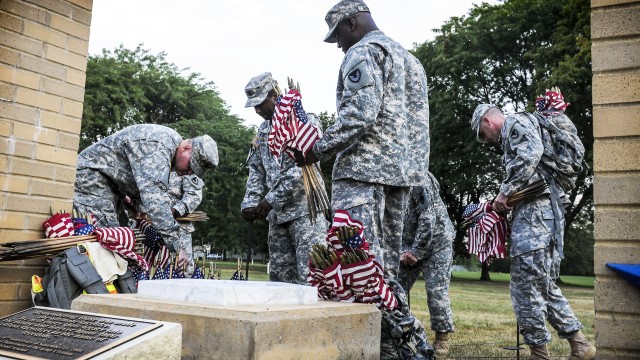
228,292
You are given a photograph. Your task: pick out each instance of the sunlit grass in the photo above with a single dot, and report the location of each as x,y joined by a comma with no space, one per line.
484,319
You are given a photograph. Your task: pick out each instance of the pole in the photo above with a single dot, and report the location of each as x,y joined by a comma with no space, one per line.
250,240
518,340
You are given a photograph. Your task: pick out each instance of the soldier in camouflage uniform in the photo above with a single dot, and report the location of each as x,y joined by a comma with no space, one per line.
536,250
276,192
186,195
381,134
136,162
427,244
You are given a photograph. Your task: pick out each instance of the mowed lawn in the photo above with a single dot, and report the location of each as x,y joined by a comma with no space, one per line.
484,319
483,316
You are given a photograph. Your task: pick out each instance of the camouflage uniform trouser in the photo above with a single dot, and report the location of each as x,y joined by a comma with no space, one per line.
436,270
536,297
381,209
93,194
289,247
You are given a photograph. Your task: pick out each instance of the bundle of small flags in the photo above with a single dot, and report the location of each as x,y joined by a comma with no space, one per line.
291,131
344,269
83,224
487,231
552,102
290,128
58,225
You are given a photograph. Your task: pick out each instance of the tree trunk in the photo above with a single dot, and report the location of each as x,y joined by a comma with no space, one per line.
484,276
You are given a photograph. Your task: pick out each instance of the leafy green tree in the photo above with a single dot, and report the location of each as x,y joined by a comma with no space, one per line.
505,54
126,87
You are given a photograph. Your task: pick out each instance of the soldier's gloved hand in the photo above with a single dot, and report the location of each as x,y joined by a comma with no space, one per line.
262,210
249,213
408,259
301,160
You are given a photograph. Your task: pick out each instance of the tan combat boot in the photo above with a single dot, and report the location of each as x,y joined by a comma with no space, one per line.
581,349
441,343
539,353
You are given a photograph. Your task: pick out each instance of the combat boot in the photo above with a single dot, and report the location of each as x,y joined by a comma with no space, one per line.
539,353
441,343
581,349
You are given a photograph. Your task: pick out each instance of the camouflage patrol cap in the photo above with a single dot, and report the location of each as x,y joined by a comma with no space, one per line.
476,119
341,11
204,154
258,88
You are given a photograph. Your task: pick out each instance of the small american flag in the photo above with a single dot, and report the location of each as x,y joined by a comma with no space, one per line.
85,230
178,273
487,233
139,274
152,238
290,128
59,225
551,102
162,273
343,218
197,273
237,275
120,240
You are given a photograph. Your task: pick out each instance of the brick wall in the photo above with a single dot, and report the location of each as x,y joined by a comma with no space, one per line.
43,58
615,32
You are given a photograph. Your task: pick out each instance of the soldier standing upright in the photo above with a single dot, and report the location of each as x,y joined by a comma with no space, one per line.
427,247
536,234
276,192
381,134
136,162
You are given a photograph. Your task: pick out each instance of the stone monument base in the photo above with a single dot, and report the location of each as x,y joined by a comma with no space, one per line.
164,342
326,330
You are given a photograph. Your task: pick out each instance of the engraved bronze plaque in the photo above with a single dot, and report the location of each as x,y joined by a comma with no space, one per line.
46,333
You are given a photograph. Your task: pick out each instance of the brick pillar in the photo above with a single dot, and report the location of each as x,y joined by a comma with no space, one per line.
615,32
43,59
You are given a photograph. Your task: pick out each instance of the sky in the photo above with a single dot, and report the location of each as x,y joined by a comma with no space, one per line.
231,41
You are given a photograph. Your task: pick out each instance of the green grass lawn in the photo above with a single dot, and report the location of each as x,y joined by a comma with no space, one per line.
484,319
483,316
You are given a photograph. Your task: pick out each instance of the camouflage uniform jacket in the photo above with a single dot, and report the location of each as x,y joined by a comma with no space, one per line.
427,226
186,195
522,147
381,134
137,161
281,186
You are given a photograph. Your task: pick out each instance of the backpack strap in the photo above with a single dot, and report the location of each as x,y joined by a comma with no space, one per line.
84,273
127,283
545,124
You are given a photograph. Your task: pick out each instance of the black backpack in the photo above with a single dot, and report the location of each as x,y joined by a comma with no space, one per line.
69,274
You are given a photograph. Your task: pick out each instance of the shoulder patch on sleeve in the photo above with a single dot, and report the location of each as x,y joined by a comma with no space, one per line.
516,132
357,74
196,181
